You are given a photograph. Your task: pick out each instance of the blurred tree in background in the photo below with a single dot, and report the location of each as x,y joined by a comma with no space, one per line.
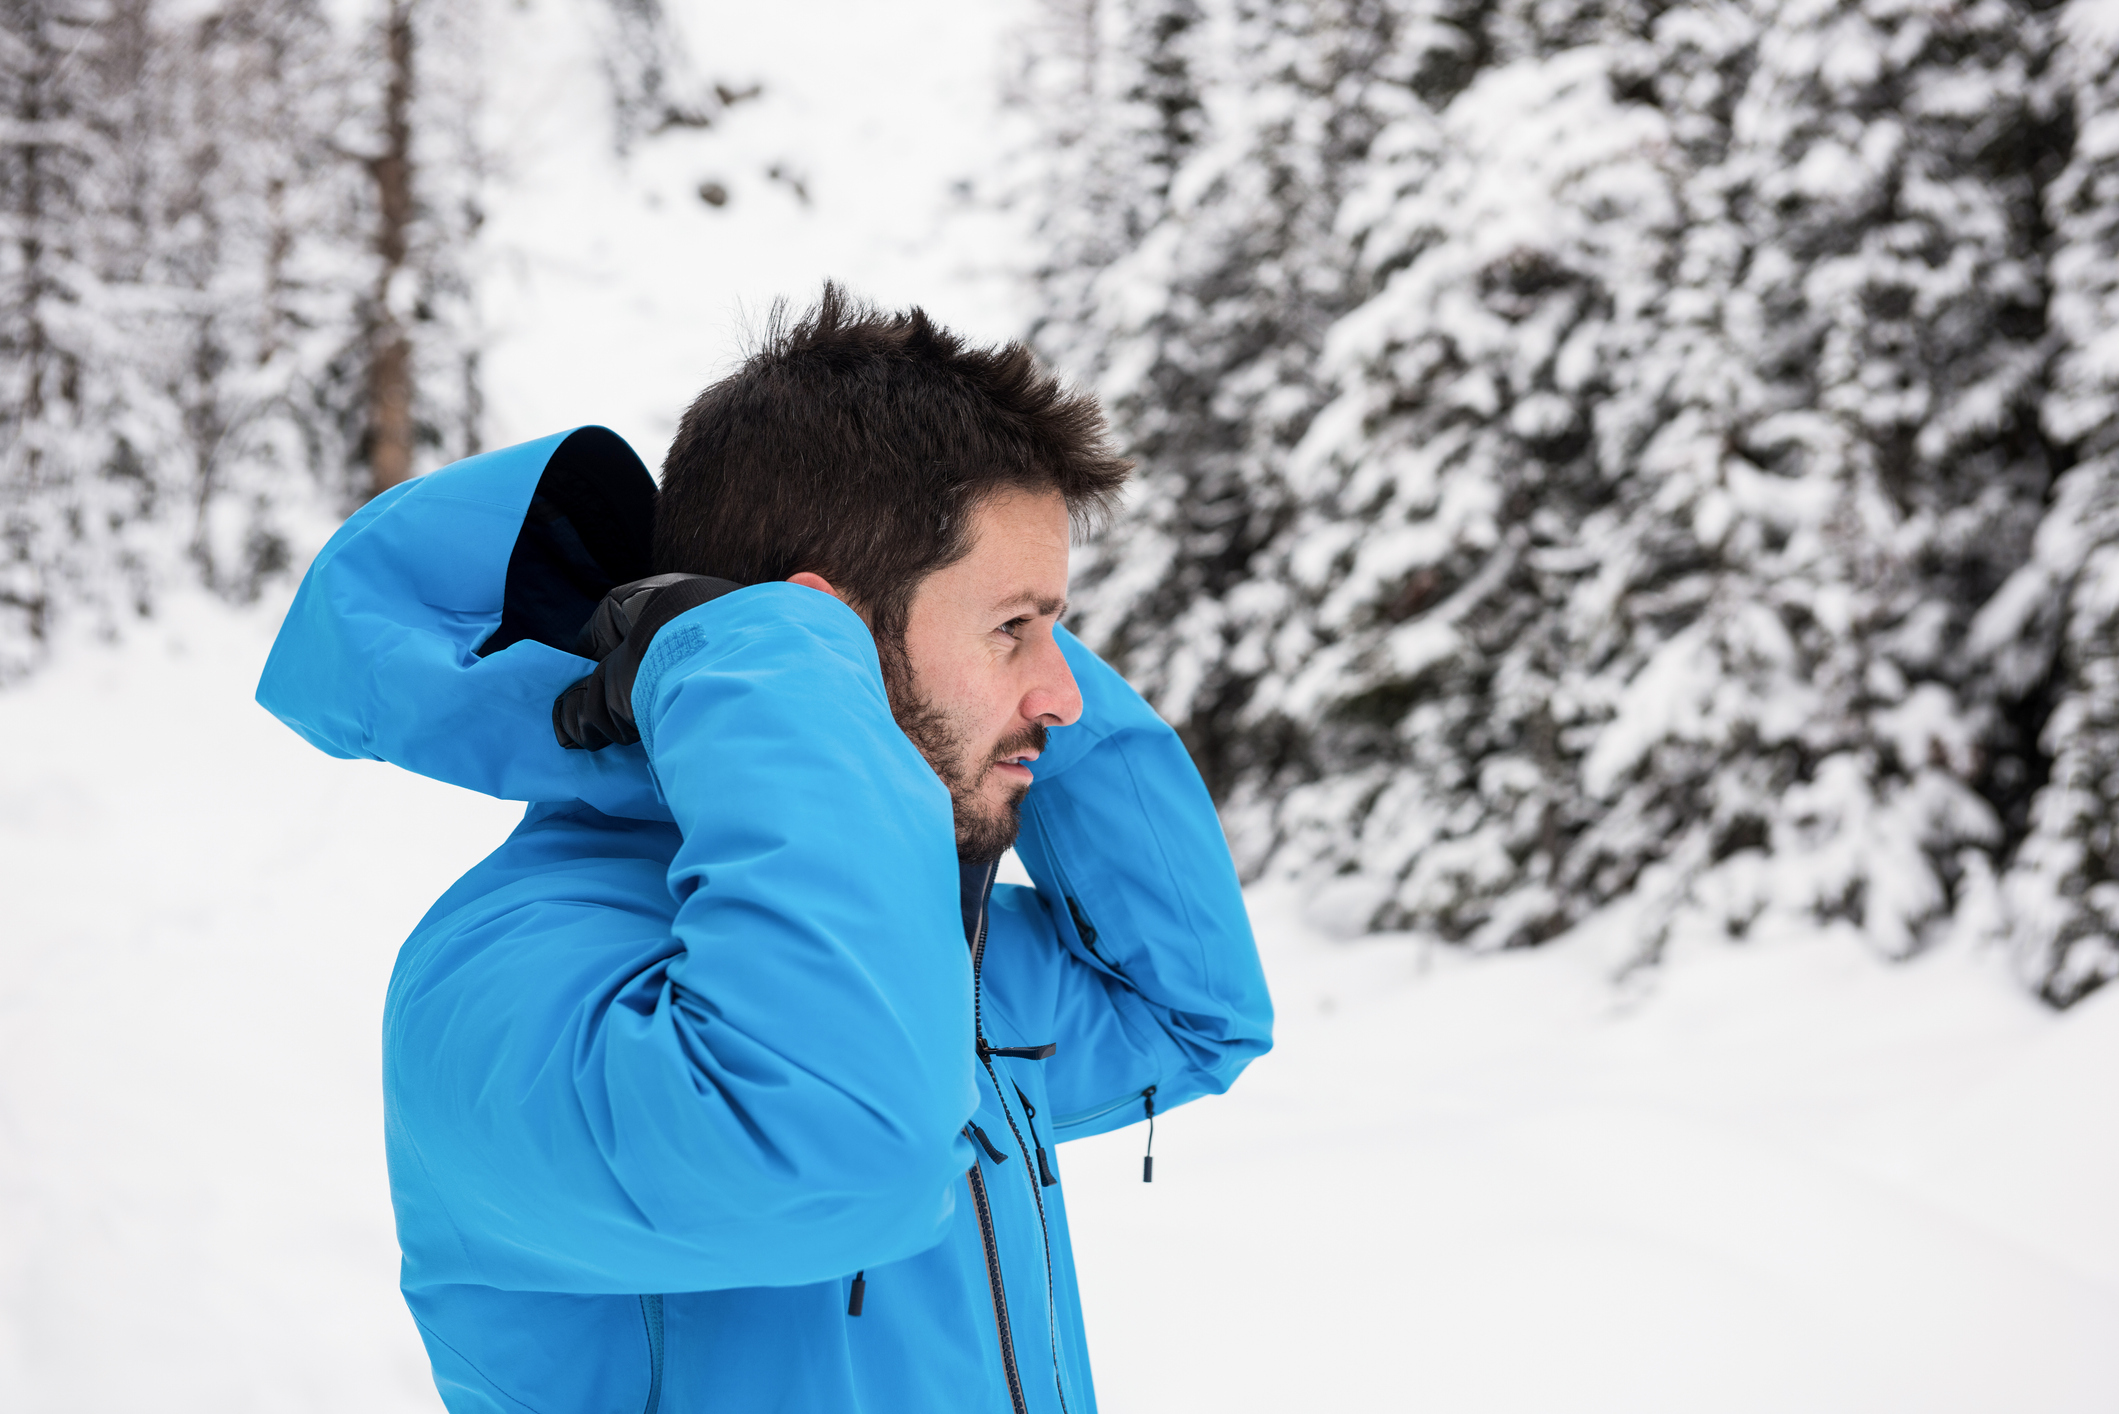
203,296
235,297
1608,466
2051,636
1625,467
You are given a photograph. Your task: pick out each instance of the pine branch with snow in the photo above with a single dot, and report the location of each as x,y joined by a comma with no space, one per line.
1599,546
2051,636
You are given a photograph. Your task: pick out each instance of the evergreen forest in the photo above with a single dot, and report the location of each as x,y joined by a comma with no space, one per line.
1607,467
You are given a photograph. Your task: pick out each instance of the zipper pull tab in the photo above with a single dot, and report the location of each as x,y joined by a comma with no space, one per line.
1147,1162
1045,1176
860,1290
1044,1052
987,1144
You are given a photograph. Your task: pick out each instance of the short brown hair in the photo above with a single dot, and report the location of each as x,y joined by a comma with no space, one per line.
854,443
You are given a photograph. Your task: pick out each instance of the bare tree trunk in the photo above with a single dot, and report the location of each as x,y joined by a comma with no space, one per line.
390,356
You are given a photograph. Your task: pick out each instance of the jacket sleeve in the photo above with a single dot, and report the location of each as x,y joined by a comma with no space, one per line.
1160,984
765,1090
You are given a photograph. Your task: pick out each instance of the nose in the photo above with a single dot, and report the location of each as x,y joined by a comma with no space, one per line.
1053,699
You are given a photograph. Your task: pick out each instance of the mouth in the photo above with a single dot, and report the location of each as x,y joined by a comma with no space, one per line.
1016,766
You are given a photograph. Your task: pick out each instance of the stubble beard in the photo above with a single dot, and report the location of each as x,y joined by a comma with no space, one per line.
984,832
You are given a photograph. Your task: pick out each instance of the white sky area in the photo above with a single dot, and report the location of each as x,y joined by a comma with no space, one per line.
1787,1177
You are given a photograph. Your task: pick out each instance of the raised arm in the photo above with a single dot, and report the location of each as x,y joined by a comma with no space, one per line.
1161,984
766,1089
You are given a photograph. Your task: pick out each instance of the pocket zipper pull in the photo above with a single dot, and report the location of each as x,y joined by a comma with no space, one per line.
1147,1162
987,1144
860,1290
1045,1176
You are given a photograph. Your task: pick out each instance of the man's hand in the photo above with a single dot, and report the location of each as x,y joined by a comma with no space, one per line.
598,710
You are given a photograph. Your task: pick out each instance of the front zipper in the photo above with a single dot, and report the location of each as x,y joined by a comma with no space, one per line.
651,1318
1044,1228
1000,1293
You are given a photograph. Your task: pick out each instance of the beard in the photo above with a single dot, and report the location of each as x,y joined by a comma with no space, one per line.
984,830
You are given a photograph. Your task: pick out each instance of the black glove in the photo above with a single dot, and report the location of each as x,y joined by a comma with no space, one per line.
598,710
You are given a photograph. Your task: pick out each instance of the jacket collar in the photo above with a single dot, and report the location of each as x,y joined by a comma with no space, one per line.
975,888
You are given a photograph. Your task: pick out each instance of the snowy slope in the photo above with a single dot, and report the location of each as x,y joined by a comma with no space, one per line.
1776,1180
201,913
1769,1180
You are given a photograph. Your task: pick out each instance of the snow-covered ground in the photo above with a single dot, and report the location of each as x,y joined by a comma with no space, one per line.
1796,1179
1767,1179
1785,1179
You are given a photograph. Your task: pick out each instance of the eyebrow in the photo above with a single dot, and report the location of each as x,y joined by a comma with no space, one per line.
1054,607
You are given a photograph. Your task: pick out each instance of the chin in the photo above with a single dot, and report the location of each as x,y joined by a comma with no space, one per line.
992,832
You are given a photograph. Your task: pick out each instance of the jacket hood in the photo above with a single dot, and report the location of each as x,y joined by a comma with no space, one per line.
434,629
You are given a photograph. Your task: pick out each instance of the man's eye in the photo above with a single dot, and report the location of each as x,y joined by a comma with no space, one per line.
1013,628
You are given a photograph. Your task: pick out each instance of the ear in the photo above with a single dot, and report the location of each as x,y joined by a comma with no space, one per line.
815,581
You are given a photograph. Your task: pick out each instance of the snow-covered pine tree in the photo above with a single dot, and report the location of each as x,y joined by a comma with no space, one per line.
414,99
1850,444
1113,91
1196,269
78,426
1445,647
2052,634
176,278
653,83
235,281
259,251
1692,416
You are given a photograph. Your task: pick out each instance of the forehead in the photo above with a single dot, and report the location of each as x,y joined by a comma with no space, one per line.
1018,555
1012,522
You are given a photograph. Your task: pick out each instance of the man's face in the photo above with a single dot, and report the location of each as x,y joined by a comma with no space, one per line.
980,676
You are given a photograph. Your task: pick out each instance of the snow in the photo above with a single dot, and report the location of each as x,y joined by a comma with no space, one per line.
613,294
201,916
1774,1179
1779,1175
1758,1178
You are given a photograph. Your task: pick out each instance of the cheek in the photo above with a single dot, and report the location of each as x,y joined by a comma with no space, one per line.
984,705
963,689
988,711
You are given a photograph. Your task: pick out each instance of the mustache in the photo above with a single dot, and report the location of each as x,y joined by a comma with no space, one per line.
1030,738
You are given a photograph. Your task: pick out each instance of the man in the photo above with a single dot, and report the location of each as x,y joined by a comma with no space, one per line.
730,1081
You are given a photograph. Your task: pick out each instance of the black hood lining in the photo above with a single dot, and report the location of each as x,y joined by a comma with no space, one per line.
590,527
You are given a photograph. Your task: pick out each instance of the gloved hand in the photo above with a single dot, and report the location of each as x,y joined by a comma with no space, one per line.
598,710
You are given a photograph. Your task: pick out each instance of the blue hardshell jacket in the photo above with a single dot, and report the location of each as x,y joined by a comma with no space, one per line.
703,1040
